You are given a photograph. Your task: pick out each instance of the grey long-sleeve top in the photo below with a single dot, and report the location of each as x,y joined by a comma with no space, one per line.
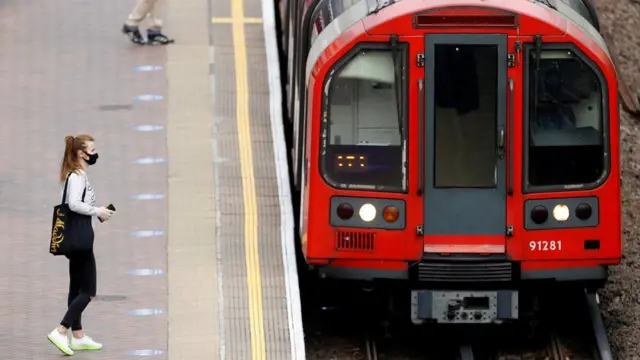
77,183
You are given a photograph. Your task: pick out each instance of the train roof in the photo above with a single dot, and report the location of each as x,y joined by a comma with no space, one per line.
580,12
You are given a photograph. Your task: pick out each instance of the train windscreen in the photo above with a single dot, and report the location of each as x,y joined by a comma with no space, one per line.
566,135
363,140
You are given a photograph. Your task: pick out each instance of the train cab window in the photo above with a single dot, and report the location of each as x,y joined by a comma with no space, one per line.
566,131
364,144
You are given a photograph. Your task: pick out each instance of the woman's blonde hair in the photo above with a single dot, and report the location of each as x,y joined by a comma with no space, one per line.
70,160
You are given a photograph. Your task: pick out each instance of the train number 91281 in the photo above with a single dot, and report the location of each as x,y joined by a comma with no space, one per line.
545,245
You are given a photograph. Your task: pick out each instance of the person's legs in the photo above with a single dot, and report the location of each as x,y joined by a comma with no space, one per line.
152,10
131,25
155,16
88,289
76,279
80,268
75,282
141,10
154,33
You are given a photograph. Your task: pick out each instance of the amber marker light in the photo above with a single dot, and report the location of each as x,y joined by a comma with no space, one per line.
390,213
345,211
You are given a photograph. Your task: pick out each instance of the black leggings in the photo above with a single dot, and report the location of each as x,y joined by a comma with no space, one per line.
82,287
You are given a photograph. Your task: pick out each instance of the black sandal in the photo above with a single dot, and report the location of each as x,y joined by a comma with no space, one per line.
134,34
156,37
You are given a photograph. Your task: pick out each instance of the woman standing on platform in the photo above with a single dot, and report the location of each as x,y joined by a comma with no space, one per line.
79,154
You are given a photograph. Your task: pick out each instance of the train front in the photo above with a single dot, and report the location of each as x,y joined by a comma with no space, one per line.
469,149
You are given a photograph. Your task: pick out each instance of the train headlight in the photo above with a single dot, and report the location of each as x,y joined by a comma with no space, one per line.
367,212
561,213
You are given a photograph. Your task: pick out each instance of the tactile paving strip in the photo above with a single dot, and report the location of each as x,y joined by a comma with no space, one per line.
228,174
274,300
273,293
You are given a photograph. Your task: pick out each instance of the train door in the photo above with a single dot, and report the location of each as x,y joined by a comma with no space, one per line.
465,137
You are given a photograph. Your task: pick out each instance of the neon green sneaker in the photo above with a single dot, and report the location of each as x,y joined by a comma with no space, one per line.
86,343
60,341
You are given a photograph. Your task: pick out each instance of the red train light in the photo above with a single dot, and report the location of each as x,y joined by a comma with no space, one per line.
583,211
466,17
345,211
539,214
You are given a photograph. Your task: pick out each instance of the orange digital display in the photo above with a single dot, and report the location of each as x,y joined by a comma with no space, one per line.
350,162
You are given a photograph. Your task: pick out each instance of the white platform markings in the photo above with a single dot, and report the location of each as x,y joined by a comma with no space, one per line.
147,68
149,161
217,206
147,233
148,128
148,196
145,272
148,97
294,309
146,352
145,312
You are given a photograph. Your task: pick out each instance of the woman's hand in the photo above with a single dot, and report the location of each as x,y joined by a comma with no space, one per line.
104,214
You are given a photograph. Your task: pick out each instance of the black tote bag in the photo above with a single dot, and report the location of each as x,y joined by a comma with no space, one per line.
70,232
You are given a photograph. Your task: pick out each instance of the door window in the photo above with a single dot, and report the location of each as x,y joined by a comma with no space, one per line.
465,118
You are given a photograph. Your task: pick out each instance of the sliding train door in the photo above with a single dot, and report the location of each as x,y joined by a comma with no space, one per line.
465,137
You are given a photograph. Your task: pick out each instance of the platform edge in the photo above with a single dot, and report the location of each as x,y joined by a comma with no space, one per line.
294,308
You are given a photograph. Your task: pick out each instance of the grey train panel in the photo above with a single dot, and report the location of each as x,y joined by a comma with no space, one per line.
585,9
572,222
325,13
575,13
377,223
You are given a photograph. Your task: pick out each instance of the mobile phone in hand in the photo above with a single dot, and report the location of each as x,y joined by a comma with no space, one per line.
110,207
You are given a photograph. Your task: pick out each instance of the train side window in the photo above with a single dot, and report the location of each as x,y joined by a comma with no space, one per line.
325,13
364,145
566,132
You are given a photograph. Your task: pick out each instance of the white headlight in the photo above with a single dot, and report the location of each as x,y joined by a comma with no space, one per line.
367,212
561,212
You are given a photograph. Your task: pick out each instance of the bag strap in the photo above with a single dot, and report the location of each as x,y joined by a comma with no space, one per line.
84,192
64,192
66,184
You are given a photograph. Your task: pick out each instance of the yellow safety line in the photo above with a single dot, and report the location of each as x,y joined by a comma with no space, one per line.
252,256
224,20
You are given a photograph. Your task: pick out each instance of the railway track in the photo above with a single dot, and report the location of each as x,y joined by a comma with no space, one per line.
554,348
569,327
581,338
571,330
585,339
371,348
404,344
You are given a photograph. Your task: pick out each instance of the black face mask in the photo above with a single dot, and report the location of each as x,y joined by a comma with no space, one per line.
92,158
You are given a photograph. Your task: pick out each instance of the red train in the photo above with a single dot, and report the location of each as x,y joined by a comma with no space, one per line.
466,149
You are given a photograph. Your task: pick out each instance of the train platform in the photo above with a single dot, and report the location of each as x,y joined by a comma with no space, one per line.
199,261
